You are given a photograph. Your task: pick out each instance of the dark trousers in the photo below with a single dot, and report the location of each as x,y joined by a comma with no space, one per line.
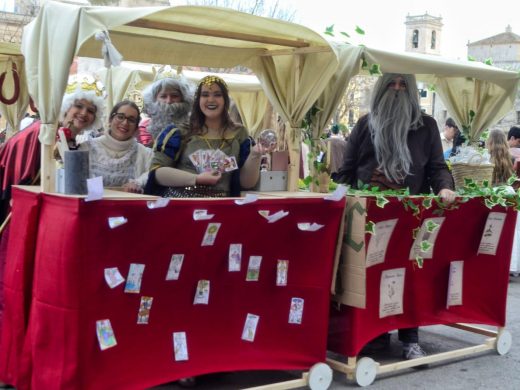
410,335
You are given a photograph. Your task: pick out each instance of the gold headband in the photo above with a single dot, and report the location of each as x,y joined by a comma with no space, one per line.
88,83
208,80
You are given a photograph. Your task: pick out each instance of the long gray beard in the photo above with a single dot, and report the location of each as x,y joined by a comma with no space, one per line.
162,115
389,125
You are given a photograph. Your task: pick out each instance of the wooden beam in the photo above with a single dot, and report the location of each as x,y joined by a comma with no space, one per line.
214,33
303,50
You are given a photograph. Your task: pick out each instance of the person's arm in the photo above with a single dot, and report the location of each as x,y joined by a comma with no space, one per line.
250,171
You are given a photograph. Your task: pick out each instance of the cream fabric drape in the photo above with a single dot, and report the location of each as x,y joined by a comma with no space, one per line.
252,107
13,113
490,102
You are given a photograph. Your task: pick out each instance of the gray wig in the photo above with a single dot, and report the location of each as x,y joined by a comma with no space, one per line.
392,115
180,83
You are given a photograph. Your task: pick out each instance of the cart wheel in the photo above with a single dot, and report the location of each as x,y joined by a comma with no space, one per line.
366,370
504,341
320,376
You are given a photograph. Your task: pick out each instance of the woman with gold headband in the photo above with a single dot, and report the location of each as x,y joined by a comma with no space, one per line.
214,157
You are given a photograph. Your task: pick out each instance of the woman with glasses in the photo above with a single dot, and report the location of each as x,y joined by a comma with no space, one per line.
116,155
214,157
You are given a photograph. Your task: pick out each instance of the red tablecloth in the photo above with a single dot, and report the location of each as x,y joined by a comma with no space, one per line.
485,277
74,244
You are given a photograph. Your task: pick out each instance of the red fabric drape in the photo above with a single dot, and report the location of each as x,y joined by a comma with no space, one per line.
485,277
75,245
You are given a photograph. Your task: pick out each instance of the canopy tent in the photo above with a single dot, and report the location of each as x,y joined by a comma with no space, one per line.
184,35
295,65
14,97
131,78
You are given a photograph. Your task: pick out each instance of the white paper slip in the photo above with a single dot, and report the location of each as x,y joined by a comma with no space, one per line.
391,292
249,331
180,346
338,194
105,334
174,269
424,242
145,306
113,277
134,279
158,204
94,189
277,216
249,198
234,257
201,215
454,297
296,311
378,243
114,222
253,268
282,270
491,234
309,227
211,234
202,293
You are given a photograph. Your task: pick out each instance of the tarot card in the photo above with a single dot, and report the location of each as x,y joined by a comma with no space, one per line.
234,257
113,277
195,159
174,269
134,279
211,234
253,268
105,334
282,268
144,310
202,293
180,346
249,331
296,311
230,164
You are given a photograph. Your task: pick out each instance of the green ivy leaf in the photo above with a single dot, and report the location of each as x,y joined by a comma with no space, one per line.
381,201
329,30
420,261
472,114
489,204
512,180
471,58
364,64
425,246
375,69
307,180
427,203
345,34
488,61
431,226
360,31
415,209
370,228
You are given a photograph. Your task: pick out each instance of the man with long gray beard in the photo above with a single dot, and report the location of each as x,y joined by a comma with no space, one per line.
397,146
166,101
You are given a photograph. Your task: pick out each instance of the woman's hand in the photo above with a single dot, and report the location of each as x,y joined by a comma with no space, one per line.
208,178
258,150
447,195
132,187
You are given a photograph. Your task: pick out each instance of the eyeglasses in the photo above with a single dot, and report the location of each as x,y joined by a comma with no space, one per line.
120,117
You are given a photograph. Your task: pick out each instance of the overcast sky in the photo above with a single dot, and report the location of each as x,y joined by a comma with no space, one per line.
383,20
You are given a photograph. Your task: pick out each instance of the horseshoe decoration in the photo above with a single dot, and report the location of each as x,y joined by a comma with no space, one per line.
16,81
32,105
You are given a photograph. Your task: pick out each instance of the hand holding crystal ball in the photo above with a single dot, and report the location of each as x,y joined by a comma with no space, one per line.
268,139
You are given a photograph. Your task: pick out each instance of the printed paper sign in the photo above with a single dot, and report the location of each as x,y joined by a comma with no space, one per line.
114,222
455,284
234,257
144,310
296,311
180,346
174,269
391,292
159,203
249,332
135,276
376,251
211,234
249,198
105,334
277,216
113,277
253,268
282,268
424,242
492,232
201,215
94,189
202,293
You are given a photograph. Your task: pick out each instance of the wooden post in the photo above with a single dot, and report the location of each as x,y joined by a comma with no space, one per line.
48,169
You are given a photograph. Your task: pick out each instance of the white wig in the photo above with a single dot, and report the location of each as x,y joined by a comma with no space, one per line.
178,82
79,94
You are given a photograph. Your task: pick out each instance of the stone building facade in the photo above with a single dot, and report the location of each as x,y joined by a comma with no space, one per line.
504,50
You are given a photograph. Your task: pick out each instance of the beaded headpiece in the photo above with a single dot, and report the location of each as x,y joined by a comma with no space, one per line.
212,79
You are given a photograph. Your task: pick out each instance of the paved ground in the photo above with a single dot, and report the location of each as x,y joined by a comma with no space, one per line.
485,371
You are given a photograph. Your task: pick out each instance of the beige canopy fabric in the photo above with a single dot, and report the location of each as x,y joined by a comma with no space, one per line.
13,113
463,86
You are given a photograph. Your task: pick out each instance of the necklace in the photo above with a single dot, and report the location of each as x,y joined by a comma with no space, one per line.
205,138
